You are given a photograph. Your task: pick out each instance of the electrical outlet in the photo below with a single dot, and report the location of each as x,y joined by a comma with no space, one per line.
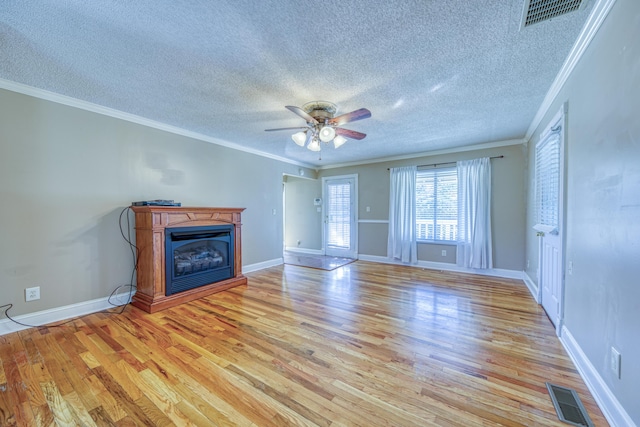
32,294
570,268
444,252
615,362
528,264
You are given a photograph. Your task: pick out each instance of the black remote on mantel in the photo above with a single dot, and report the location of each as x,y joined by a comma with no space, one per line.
156,203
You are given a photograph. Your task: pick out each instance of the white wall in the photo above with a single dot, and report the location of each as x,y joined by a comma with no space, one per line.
602,296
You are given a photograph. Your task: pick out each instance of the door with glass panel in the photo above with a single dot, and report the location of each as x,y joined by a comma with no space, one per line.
339,210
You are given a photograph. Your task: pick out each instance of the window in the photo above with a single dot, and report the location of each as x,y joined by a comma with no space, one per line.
437,204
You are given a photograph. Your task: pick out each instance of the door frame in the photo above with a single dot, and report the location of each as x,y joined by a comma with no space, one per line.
353,253
558,120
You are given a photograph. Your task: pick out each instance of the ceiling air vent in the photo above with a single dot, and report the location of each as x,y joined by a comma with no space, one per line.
541,10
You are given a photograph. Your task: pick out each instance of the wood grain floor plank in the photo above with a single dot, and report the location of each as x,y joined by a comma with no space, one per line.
7,408
163,397
363,345
78,406
108,405
192,381
101,418
136,409
62,413
16,364
3,377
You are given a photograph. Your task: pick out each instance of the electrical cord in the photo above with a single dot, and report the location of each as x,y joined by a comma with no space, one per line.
135,254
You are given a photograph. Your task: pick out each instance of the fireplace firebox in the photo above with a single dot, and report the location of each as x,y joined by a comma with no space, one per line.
196,256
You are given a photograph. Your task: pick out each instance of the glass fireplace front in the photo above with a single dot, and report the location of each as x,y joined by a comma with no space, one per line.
198,256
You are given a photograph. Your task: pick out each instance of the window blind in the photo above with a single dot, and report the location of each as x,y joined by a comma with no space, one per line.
437,204
548,180
339,213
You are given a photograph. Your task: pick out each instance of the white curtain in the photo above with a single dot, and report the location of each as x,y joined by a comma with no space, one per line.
474,214
401,244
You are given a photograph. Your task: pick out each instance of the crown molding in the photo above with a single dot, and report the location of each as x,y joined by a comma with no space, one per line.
117,114
484,146
111,112
596,18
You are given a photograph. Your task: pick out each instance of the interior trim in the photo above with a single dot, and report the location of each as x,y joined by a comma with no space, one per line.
604,397
531,285
445,266
594,21
111,112
484,146
56,314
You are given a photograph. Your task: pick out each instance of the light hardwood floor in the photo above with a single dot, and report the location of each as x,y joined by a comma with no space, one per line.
365,344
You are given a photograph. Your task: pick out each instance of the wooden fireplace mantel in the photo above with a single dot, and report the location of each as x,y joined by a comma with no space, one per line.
151,222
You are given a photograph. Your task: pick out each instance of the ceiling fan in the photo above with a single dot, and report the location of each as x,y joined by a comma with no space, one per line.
322,126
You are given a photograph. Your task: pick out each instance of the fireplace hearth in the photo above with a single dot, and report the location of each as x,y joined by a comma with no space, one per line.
185,253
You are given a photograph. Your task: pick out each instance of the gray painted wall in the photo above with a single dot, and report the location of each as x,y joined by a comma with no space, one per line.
602,295
303,222
508,205
66,174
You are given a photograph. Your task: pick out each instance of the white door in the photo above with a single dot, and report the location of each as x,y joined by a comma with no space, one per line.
549,210
339,208
551,276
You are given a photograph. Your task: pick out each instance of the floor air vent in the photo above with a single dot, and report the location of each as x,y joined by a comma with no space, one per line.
568,406
540,10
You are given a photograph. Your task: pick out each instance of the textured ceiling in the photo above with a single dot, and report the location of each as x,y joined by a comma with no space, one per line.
435,74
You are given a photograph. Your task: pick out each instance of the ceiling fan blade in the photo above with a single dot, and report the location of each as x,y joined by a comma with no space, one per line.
350,133
299,111
269,130
360,114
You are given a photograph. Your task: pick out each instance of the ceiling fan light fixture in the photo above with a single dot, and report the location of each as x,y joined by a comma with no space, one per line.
339,140
327,133
314,145
299,138
323,125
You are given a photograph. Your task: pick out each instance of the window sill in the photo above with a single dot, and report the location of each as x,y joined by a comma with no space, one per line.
438,242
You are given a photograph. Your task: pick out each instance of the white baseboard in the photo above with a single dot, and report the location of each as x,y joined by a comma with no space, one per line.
67,312
79,309
262,265
533,288
87,307
54,315
445,266
305,251
609,405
